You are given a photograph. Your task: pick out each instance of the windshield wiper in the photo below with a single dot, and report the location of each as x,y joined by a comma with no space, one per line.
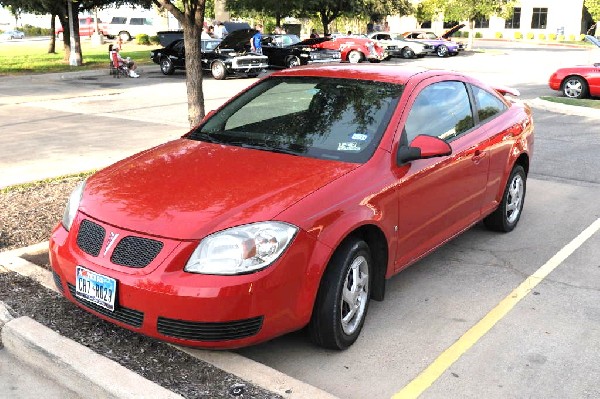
266,148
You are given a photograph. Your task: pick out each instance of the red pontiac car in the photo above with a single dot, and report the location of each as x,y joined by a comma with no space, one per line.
293,204
355,49
578,81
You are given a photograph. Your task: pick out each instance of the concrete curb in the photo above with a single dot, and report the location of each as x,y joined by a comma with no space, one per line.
564,108
73,365
42,348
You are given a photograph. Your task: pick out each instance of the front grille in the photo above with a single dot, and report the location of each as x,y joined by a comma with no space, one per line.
199,331
58,282
127,316
249,62
135,251
90,237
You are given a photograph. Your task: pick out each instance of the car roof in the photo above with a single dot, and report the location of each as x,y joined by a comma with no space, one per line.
381,73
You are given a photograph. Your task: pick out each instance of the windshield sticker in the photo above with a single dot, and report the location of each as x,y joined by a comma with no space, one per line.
359,136
348,147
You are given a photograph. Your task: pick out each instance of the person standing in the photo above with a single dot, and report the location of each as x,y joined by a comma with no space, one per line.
256,40
314,34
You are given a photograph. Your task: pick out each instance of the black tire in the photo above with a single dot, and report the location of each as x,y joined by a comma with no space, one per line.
354,57
575,87
292,62
442,51
504,218
407,52
60,36
125,36
218,70
326,328
166,66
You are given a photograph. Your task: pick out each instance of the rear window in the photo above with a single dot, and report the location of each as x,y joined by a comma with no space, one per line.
325,118
118,20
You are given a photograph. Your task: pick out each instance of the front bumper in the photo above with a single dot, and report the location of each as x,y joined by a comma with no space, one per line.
164,302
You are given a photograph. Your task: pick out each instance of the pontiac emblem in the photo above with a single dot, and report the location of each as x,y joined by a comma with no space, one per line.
111,239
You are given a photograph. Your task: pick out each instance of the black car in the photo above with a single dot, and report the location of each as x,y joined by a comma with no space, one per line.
289,51
223,58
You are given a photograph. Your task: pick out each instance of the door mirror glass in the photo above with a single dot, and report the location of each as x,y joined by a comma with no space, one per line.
423,147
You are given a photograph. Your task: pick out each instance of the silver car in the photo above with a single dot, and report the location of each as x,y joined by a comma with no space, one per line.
397,46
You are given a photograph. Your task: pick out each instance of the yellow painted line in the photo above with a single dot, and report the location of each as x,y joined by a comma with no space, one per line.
428,376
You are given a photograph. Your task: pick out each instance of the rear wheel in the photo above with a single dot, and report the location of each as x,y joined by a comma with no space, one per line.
125,36
218,70
343,298
166,66
59,36
407,52
508,213
354,57
442,51
575,87
292,61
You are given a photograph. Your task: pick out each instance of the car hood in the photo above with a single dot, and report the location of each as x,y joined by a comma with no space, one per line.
237,39
453,30
188,189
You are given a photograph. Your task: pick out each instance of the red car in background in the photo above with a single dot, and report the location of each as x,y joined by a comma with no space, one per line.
355,49
87,27
293,204
578,81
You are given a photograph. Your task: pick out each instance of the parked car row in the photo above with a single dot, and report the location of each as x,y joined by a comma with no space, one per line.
232,56
12,34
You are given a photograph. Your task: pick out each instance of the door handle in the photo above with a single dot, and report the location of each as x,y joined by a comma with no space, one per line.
478,156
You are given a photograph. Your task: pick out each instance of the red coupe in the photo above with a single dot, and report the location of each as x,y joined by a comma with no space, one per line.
578,81
354,49
293,204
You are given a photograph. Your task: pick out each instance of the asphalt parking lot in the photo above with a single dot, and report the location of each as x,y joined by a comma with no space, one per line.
542,342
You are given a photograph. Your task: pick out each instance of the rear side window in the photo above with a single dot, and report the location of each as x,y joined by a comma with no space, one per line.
118,20
442,110
136,21
488,105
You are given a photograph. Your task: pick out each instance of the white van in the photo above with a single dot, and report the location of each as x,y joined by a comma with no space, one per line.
129,27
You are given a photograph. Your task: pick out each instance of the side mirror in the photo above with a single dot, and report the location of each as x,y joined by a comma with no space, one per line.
423,147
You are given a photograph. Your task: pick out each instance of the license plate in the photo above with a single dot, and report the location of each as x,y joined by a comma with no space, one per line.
96,288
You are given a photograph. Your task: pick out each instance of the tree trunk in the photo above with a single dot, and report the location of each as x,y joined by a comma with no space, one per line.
193,67
64,21
278,19
325,21
52,46
77,41
471,34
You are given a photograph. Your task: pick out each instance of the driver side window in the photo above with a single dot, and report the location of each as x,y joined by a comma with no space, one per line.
442,110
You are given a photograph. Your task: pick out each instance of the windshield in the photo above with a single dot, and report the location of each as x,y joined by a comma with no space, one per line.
325,118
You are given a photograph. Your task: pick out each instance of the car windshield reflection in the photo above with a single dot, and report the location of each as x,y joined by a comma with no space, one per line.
323,118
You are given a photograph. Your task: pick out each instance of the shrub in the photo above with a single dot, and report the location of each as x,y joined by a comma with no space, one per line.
530,35
518,35
30,30
478,35
552,36
581,37
571,38
561,38
498,35
154,39
542,36
142,38
465,33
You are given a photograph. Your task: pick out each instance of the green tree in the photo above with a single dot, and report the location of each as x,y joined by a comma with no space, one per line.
329,10
469,10
593,7
275,8
191,18
428,10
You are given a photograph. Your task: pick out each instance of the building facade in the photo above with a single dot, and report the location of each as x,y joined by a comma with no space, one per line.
561,17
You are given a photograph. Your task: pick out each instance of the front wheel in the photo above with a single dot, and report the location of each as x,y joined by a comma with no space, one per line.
508,213
407,52
575,87
218,70
354,57
166,66
343,298
442,51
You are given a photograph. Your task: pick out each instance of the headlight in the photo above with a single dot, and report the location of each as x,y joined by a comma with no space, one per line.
241,249
72,205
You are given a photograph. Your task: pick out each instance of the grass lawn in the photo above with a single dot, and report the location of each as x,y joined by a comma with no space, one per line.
32,56
573,101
